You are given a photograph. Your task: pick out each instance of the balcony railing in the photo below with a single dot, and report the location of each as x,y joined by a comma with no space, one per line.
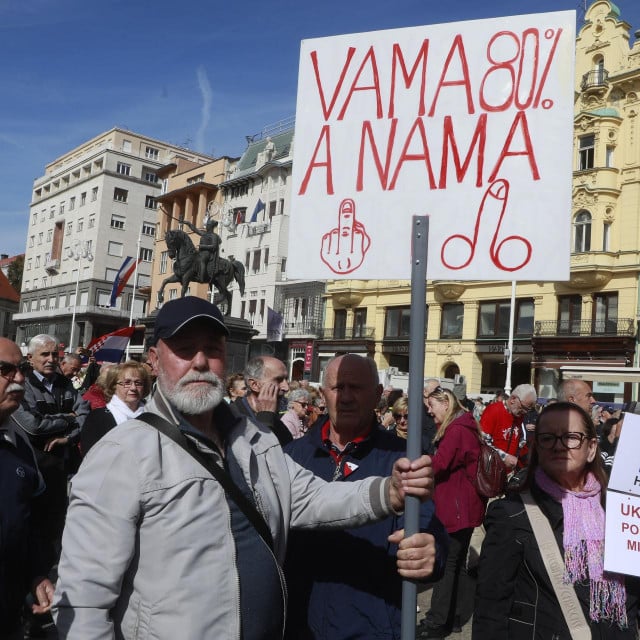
257,229
613,327
301,328
596,79
350,333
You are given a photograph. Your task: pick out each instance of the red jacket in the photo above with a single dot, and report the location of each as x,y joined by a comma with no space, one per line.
505,429
458,505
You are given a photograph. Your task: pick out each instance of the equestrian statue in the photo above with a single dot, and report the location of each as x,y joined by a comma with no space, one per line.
203,264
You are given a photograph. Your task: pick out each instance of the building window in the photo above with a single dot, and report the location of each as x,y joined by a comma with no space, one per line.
605,313
272,209
359,322
37,261
493,319
83,199
94,194
243,304
283,265
115,248
396,322
150,202
164,258
606,236
31,240
261,313
340,323
609,157
252,310
29,264
582,232
103,298
150,176
569,314
61,208
255,267
146,255
281,206
148,229
586,152
120,195
151,152
80,225
247,260
72,203
123,169
266,258
50,234
92,222
452,320
35,218
117,222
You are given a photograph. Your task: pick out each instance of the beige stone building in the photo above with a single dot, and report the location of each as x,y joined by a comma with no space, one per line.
190,191
589,320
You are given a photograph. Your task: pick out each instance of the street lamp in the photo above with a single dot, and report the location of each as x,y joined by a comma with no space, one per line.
79,251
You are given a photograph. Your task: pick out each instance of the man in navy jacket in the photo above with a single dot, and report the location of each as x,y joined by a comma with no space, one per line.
347,584
21,564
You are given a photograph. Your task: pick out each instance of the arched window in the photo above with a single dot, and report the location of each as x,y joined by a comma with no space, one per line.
582,232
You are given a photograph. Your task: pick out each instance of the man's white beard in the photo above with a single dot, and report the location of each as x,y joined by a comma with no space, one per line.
194,400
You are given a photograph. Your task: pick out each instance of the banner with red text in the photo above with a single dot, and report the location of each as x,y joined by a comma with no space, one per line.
470,123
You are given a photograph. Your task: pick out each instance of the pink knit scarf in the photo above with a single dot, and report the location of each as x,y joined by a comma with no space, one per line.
583,541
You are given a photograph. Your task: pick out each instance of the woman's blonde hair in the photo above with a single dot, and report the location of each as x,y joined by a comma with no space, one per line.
454,408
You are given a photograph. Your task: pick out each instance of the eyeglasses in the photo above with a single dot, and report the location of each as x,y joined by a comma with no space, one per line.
9,370
130,383
570,440
525,407
400,416
321,408
302,404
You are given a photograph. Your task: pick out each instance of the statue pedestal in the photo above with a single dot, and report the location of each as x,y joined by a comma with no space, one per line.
237,343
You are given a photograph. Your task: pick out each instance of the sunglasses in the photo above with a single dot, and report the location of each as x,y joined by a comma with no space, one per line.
9,370
400,416
302,404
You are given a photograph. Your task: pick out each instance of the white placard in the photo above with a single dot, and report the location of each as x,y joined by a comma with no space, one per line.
470,123
622,535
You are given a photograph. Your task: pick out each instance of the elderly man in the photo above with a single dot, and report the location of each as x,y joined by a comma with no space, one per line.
347,584
267,382
22,566
579,392
503,422
178,522
57,414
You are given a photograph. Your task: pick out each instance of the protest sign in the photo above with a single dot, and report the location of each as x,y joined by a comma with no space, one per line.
470,123
622,534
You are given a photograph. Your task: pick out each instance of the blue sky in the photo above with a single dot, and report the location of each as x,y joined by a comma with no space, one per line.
195,73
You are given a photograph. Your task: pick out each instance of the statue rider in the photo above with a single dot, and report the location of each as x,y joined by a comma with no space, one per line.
208,248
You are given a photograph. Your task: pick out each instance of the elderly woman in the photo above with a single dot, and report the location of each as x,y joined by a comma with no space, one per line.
515,596
295,419
125,387
458,505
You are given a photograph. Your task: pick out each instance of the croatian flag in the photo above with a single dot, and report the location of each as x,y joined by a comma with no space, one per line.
257,210
111,346
122,277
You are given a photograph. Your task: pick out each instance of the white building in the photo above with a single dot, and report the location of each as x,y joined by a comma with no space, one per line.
93,207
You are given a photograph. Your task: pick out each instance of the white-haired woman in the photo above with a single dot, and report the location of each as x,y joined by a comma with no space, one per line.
295,418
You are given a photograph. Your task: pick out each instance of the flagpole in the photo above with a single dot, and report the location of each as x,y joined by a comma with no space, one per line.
135,284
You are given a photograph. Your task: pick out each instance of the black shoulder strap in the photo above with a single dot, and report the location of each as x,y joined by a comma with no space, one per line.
232,490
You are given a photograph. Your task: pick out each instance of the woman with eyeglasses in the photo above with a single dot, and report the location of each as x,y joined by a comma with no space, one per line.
458,506
295,418
125,388
515,597
400,412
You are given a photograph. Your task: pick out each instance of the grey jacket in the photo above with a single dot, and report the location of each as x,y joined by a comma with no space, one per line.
147,548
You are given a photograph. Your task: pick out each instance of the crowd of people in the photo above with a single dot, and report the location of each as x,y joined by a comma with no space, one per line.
251,507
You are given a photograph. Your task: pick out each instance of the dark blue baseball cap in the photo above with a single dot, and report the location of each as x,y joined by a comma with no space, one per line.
177,313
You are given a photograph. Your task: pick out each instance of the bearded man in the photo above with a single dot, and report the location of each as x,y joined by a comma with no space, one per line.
178,520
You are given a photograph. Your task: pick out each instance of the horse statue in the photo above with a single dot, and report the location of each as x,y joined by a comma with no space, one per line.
220,273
